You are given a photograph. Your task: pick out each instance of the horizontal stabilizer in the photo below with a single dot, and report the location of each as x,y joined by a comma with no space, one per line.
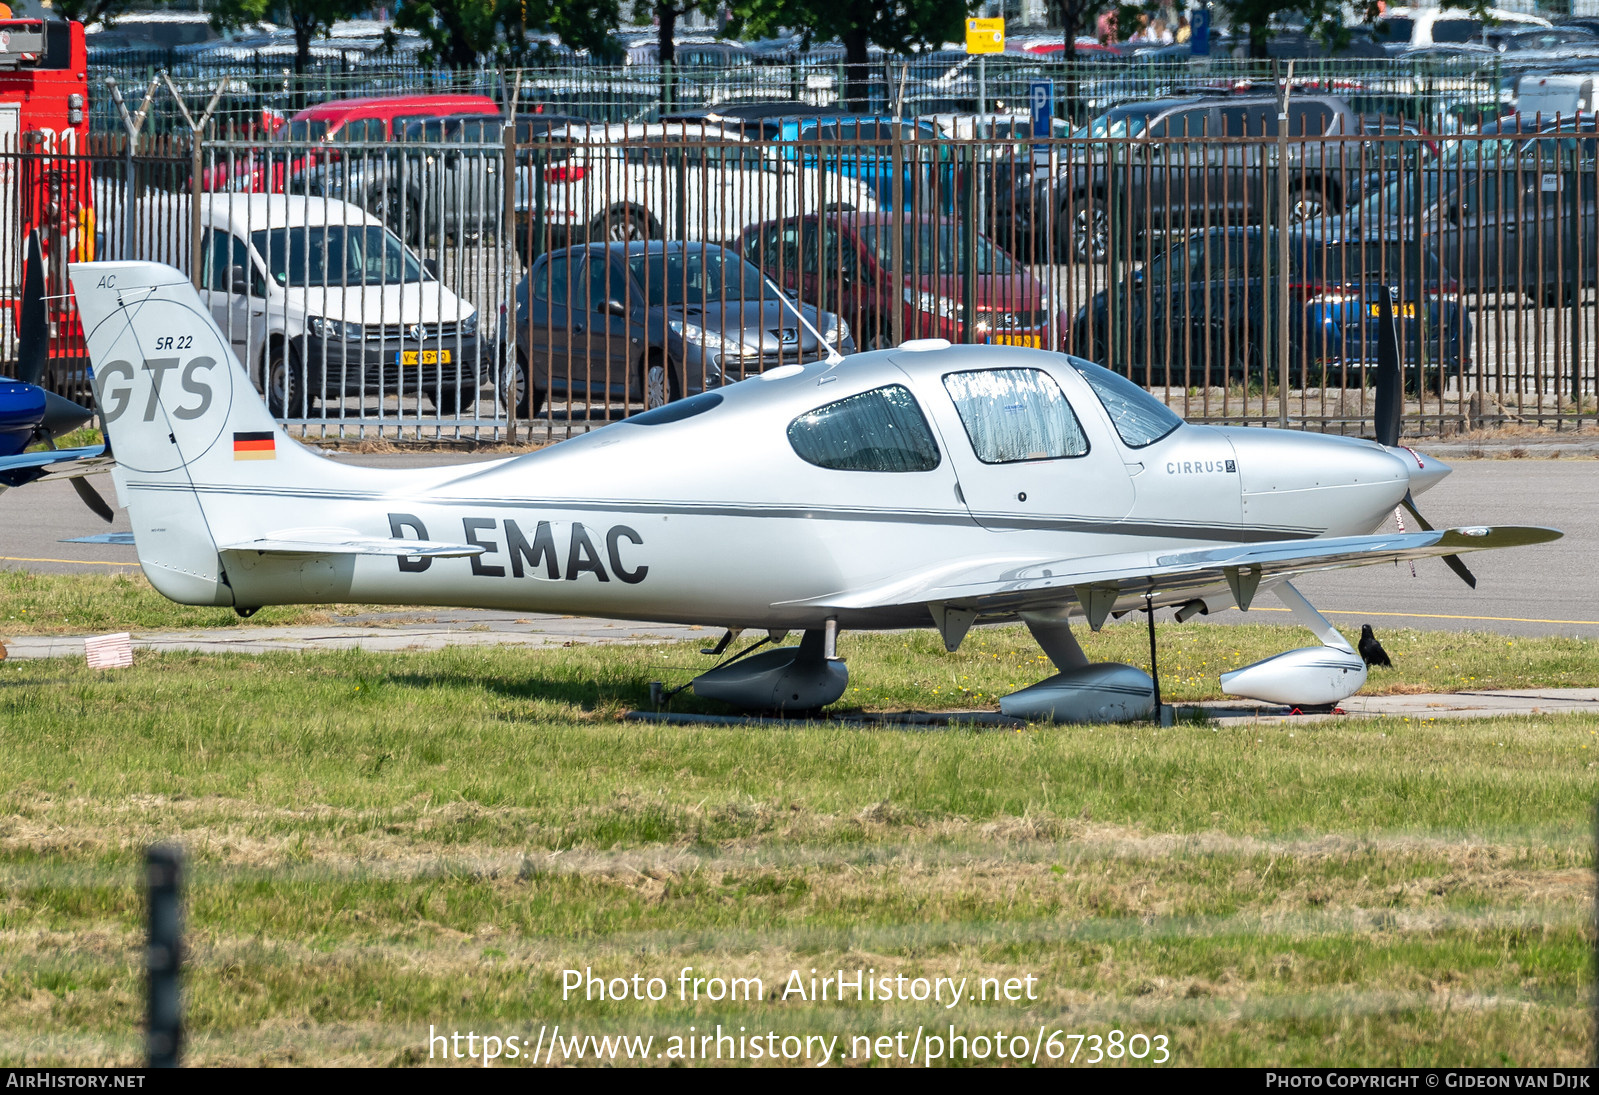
349,542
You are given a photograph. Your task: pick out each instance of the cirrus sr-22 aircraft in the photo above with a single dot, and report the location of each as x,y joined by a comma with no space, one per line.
927,485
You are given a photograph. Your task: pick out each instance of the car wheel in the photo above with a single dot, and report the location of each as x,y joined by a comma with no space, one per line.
623,224
1090,235
529,400
880,338
284,382
1304,204
661,385
386,204
456,401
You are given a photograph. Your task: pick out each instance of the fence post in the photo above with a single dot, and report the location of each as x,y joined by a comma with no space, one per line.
163,873
196,168
898,221
508,230
1281,280
967,241
133,123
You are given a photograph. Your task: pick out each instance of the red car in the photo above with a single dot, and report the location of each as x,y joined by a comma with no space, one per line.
376,120
852,276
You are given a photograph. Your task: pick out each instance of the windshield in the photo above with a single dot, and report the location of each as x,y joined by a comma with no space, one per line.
304,131
336,255
935,249
1116,123
1140,419
1399,197
1393,30
697,277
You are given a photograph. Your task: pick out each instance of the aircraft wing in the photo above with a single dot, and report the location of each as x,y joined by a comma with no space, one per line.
349,542
1004,585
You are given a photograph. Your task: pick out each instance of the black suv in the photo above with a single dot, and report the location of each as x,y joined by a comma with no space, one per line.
1180,165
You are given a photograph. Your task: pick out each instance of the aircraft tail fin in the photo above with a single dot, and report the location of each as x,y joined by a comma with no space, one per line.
186,423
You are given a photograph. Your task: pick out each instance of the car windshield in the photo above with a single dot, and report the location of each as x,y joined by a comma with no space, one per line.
694,277
304,131
336,255
935,249
1393,29
1399,197
1116,123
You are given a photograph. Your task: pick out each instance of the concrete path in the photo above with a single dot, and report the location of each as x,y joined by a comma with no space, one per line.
416,630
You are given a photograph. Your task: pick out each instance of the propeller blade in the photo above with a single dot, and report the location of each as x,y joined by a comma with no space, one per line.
1451,561
1390,382
33,319
91,498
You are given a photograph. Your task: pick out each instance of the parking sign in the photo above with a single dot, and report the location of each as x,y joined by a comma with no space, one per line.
1199,32
1041,100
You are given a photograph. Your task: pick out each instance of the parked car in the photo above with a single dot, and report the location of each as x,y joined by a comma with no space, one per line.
692,181
651,321
859,148
439,176
1145,170
373,120
1197,314
1400,27
852,273
321,301
1512,210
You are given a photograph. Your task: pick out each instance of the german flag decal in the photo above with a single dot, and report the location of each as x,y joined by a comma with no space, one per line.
254,446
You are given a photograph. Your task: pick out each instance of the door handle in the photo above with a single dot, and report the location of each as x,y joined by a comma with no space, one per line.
255,311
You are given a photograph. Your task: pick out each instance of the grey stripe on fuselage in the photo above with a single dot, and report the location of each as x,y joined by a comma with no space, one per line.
1243,534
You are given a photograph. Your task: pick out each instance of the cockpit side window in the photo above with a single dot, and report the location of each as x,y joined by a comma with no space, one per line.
1140,419
1013,415
879,430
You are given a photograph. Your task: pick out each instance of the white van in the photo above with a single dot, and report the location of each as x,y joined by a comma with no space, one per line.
321,301
1551,96
1432,26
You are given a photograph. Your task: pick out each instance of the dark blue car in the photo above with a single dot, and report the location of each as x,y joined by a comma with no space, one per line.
1197,314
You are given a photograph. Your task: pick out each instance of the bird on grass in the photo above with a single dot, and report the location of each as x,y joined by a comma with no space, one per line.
1371,651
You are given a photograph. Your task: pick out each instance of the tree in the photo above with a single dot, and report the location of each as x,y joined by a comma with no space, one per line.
1076,16
458,32
666,13
85,11
899,26
1323,19
308,19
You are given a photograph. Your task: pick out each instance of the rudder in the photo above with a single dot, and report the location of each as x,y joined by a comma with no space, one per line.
182,417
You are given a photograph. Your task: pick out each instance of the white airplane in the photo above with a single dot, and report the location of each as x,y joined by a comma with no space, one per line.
925,485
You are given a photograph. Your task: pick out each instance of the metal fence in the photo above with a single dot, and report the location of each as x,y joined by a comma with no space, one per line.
404,289
1442,93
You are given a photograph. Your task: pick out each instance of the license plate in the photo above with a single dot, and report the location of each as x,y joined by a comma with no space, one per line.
424,357
1408,311
1035,341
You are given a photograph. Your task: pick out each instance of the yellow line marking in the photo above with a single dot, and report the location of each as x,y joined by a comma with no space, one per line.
1436,616
73,562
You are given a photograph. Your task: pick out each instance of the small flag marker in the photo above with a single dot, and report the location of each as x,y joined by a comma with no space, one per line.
254,446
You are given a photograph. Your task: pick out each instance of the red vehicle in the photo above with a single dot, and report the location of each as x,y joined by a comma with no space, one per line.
852,276
375,120
44,178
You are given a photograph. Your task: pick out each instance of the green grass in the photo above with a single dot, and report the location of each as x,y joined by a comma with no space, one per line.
56,604
382,842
